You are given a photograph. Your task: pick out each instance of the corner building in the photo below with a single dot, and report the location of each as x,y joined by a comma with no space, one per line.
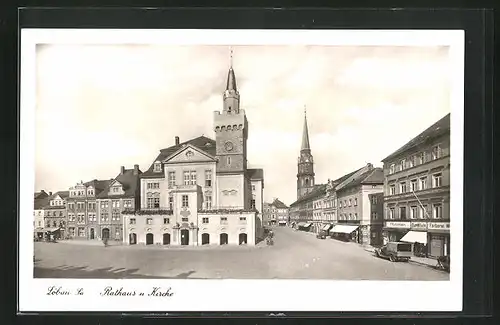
201,191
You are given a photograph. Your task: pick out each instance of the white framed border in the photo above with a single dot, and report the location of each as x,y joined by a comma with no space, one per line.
216,295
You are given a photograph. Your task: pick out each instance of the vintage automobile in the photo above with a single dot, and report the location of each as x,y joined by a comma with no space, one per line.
321,235
395,251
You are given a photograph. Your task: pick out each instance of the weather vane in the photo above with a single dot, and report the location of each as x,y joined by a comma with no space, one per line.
305,110
231,56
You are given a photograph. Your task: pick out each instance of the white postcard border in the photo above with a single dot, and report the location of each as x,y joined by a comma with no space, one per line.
224,295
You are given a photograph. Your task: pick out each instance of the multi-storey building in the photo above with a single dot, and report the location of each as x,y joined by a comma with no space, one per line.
302,210
376,218
55,214
122,193
417,191
41,201
279,212
201,191
267,215
354,205
81,208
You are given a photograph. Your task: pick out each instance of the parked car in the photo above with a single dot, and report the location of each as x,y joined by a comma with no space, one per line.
321,235
395,251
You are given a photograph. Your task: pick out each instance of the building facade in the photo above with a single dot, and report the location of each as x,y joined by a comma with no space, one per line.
354,205
279,213
55,214
417,191
376,218
122,193
41,202
82,222
267,215
201,191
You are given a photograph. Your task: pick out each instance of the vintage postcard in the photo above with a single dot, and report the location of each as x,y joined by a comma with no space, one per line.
241,170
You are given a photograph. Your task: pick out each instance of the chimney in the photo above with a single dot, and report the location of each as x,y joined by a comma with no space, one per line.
136,169
50,193
177,141
369,165
122,170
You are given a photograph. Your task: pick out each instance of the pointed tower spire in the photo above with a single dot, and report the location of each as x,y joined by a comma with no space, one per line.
231,79
305,134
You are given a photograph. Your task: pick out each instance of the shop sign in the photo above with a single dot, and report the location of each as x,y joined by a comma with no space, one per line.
396,224
419,225
439,226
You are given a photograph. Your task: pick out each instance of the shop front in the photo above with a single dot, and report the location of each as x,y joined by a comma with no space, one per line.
393,231
345,232
304,226
439,239
326,228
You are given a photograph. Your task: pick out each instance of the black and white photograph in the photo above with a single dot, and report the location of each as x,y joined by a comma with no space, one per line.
202,164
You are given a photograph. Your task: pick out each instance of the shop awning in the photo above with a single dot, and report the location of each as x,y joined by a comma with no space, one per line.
344,229
415,237
327,227
305,224
49,229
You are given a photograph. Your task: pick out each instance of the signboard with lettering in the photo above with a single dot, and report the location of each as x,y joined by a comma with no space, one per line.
397,224
419,225
443,226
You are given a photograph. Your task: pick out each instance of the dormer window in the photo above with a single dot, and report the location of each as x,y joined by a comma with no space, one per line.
157,167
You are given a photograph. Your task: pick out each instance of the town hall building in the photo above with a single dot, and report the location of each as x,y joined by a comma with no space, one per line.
201,191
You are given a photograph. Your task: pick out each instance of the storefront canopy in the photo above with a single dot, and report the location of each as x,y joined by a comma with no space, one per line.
327,227
415,237
304,224
344,229
49,229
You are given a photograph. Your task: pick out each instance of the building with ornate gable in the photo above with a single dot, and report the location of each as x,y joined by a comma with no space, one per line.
201,191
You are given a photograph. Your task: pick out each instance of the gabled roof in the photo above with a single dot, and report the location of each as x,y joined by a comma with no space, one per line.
255,173
62,194
436,130
203,143
98,185
129,182
345,177
41,194
278,204
42,203
373,176
318,190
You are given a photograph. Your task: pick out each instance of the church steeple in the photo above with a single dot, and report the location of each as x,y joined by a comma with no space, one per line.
231,94
305,134
305,164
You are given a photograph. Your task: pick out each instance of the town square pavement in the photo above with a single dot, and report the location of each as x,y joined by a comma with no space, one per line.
295,255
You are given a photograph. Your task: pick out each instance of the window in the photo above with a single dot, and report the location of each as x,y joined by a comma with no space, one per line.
392,169
116,189
345,203
223,220
423,212
132,221
253,188
193,177
423,183
184,219
71,231
392,189
243,219
81,232
115,216
171,202
349,202
157,167
186,177
115,203
166,221
402,187
171,179
208,202
355,216
252,204
228,161
413,161
350,216
208,178
421,158
414,185
104,216
437,180
437,211
149,221
151,203
413,212
151,186
436,152
92,217
156,203
71,217
402,213
355,202
204,220
71,206
402,164
374,215
185,201
127,203
374,200
104,205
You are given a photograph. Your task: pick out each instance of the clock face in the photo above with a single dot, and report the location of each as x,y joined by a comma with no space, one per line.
229,146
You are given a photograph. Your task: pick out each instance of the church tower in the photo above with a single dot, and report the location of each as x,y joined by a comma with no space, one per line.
305,165
231,134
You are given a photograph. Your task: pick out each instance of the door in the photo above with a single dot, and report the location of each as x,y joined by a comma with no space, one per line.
205,239
149,239
223,239
243,239
92,233
184,237
166,239
132,239
105,233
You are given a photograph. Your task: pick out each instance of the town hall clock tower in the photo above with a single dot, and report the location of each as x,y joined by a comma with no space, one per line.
305,164
231,134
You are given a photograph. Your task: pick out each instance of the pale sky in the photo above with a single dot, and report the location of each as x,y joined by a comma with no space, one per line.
100,107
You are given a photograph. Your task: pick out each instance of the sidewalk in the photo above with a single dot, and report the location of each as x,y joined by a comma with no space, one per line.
424,261
89,242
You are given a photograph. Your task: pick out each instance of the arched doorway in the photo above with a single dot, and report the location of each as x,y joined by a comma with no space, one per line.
184,237
166,239
92,233
205,239
132,238
223,239
243,239
105,233
149,239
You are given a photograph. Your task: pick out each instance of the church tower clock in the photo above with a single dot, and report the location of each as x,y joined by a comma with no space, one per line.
305,165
